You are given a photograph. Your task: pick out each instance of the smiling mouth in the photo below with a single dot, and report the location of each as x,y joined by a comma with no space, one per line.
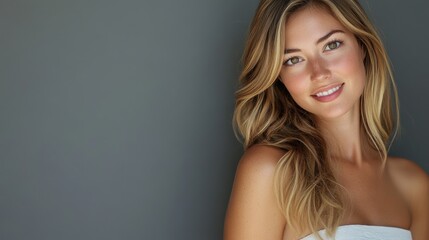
329,91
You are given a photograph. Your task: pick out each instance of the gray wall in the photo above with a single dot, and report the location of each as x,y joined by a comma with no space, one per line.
403,27
116,115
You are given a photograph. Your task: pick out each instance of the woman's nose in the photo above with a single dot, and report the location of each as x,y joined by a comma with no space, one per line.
319,70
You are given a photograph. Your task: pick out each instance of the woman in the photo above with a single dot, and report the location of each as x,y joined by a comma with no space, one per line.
317,112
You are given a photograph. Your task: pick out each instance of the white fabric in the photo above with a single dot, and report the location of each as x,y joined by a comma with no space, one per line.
365,232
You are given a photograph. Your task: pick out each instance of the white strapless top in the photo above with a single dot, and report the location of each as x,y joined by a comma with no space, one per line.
365,232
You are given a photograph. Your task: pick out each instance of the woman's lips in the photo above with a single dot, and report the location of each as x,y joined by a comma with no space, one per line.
329,94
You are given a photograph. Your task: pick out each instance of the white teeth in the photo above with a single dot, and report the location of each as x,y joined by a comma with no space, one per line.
329,92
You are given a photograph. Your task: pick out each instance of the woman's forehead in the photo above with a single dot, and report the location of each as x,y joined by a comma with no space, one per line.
310,23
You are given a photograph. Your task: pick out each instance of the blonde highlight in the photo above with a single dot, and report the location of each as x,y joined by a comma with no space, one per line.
265,113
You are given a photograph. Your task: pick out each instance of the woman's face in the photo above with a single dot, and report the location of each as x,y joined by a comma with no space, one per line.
323,66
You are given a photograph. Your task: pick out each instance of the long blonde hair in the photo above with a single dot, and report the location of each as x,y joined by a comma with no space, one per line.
265,113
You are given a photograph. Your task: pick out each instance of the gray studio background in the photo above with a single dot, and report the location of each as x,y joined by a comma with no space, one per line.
116,115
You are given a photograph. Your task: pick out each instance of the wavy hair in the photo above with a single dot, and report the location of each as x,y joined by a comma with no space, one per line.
265,113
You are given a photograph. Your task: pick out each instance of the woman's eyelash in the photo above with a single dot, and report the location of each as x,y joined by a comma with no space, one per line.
337,42
329,45
290,60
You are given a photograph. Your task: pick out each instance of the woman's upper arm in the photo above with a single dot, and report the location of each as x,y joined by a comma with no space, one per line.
414,184
253,212
420,205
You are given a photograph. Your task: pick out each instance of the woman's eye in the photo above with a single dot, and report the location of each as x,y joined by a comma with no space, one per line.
292,61
332,45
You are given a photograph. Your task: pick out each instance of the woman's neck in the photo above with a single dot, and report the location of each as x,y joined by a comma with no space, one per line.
345,138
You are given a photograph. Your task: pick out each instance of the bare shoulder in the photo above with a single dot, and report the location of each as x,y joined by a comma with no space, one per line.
252,210
409,173
413,182
260,158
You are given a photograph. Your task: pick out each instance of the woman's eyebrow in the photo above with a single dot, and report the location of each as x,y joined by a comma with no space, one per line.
328,35
291,50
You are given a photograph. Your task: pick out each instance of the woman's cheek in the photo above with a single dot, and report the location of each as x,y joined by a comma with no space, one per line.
348,63
295,82
342,63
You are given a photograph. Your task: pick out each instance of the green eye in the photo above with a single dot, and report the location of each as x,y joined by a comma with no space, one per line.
332,45
292,61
